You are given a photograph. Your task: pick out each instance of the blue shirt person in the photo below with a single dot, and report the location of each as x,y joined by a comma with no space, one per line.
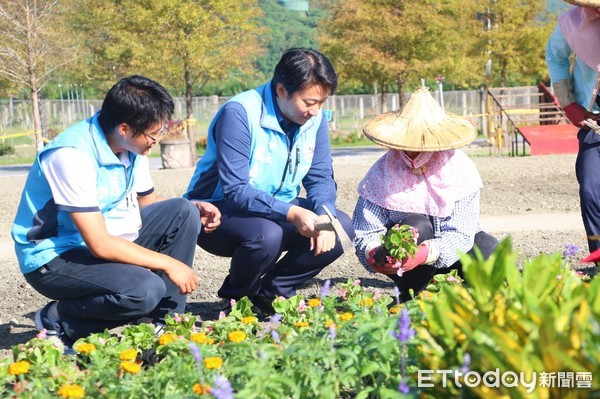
93,235
264,145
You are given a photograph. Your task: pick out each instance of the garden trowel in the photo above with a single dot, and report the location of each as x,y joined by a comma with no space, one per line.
335,226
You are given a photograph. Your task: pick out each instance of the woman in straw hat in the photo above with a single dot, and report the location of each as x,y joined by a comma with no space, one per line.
576,87
423,182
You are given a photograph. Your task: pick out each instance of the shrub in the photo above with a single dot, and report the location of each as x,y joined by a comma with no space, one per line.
6,149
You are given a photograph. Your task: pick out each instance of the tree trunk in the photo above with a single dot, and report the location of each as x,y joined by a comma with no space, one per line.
37,120
400,83
188,102
503,74
383,97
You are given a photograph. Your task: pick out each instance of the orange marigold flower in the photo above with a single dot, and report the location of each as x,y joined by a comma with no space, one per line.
200,389
128,354
394,309
71,391
213,362
249,320
85,348
131,367
301,324
199,338
313,303
17,368
346,316
236,336
368,302
167,338
330,323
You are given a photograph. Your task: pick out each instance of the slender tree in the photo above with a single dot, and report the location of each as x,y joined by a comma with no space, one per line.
31,49
514,40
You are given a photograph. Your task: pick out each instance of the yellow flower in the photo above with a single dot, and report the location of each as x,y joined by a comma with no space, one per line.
394,309
213,362
131,367
236,336
301,324
346,316
329,323
199,338
200,389
71,391
128,355
368,302
313,303
17,368
86,348
167,338
249,320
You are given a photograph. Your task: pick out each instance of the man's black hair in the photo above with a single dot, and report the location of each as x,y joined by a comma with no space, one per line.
300,67
137,101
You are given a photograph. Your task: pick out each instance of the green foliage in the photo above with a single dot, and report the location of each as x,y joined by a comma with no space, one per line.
400,241
6,149
544,319
347,343
182,44
516,41
351,139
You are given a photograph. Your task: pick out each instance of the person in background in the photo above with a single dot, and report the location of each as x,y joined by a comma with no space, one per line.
91,233
573,59
425,183
263,146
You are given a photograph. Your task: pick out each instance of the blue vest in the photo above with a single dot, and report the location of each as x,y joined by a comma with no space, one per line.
275,167
41,230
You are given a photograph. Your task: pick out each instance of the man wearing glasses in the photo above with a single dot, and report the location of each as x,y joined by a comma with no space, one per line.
92,234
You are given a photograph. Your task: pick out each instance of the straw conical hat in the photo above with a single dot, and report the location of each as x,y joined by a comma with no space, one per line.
584,3
422,125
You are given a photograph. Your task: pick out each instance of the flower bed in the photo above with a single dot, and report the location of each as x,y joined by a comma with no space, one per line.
346,343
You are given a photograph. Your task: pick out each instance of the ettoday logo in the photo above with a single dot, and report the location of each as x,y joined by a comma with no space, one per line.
507,379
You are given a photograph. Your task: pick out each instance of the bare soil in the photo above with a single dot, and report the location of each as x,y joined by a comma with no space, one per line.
525,186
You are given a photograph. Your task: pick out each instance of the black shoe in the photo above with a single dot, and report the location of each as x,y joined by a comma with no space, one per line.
263,306
47,320
225,306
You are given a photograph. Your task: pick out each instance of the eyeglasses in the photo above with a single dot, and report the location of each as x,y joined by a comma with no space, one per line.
156,135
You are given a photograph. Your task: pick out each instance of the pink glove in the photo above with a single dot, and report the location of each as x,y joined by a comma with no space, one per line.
592,257
412,261
576,114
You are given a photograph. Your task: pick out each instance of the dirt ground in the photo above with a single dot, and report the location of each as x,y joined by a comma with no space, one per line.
542,186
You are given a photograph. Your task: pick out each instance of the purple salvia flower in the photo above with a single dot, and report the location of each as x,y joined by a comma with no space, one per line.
405,332
570,249
275,335
195,352
466,363
221,388
397,294
276,318
332,333
197,357
325,289
403,387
